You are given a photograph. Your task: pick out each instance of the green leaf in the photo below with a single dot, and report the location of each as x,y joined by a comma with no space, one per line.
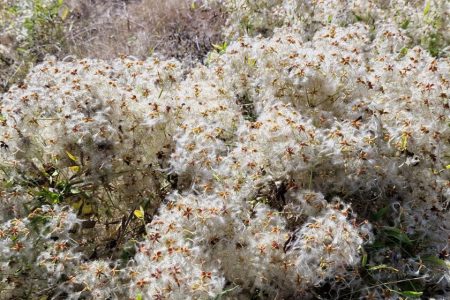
22,50
403,52
434,261
75,191
13,9
28,24
411,294
219,296
358,18
397,235
377,244
139,296
38,220
380,213
160,93
426,10
221,48
329,19
404,24
364,260
51,197
447,167
434,43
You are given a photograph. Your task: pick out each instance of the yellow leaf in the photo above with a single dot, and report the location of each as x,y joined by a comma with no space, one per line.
71,156
77,205
217,47
447,167
382,267
426,10
404,142
216,177
64,13
221,48
251,62
87,209
139,213
75,169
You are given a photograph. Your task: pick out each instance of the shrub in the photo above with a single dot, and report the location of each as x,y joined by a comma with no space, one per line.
308,163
